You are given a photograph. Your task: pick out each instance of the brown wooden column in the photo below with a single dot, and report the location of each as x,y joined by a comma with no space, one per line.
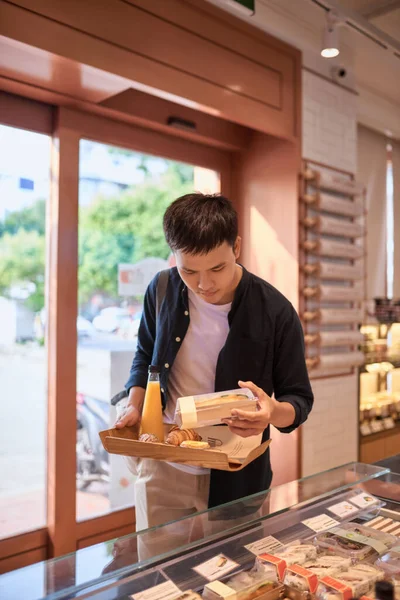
62,338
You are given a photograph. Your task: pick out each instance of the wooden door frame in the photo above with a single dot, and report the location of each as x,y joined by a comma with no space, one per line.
63,533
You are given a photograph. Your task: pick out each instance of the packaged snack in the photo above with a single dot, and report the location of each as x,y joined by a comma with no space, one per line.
328,565
189,595
246,585
274,566
301,579
389,563
355,541
209,409
371,572
348,585
297,553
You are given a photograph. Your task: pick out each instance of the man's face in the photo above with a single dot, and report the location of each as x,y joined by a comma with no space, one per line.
213,276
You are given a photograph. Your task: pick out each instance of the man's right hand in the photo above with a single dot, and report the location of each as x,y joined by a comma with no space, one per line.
129,416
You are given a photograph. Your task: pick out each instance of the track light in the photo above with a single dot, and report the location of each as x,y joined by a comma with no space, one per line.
330,41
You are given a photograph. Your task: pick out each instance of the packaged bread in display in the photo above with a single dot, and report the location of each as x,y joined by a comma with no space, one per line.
328,565
355,541
357,581
247,585
274,566
389,563
342,588
299,578
209,409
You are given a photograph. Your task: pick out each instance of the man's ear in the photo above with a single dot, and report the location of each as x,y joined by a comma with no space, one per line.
237,247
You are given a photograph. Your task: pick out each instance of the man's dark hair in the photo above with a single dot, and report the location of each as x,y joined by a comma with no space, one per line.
198,223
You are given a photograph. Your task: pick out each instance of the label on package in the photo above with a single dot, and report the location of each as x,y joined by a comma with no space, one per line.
361,539
343,509
268,545
215,567
216,590
164,591
309,576
363,500
278,563
320,523
344,590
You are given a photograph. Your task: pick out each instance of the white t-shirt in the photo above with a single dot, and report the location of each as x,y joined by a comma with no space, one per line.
194,368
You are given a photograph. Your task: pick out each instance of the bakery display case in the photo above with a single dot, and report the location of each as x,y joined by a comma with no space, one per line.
284,542
379,390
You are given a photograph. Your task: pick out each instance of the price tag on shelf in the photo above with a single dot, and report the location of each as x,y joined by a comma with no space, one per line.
268,545
363,500
388,423
215,567
320,523
163,591
343,509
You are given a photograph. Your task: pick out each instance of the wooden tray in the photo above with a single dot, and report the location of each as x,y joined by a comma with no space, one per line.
124,441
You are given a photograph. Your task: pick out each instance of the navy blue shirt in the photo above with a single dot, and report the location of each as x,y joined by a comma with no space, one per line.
265,345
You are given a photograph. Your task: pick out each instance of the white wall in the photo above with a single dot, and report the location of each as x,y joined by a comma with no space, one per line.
329,437
329,123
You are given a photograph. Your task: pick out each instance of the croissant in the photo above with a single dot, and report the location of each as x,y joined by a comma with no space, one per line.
148,437
176,436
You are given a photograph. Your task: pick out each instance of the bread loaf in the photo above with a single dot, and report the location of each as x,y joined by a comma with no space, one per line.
148,437
176,436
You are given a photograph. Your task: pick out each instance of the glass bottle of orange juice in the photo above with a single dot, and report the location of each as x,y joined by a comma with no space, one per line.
152,417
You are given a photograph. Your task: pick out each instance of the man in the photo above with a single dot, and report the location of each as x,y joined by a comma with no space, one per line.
219,326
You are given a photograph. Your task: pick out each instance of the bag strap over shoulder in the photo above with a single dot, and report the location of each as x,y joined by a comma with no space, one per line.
161,290
162,284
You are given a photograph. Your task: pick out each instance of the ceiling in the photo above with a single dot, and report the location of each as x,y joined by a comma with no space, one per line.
383,14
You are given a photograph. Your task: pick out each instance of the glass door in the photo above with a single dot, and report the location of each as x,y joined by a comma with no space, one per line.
122,198
24,194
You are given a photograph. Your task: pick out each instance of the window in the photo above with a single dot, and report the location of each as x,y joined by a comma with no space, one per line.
23,358
122,199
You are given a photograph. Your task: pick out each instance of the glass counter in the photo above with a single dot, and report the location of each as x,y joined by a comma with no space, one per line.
127,566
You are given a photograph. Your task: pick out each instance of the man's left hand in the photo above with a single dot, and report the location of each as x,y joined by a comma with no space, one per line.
245,423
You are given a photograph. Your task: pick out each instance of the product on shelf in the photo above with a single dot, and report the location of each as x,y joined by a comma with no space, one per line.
294,554
385,525
389,563
355,541
373,573
299,578
297,553
246,585
209,409
351,584
188,595
328,565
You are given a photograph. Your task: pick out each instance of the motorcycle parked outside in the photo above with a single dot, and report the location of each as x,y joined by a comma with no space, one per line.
92,461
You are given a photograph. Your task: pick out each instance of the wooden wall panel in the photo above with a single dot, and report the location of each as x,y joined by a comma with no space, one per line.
18,561
62,339
106,536
24,113
265,187
249,80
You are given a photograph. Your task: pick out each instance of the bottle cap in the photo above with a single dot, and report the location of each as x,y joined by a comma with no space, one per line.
154,369
384,590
